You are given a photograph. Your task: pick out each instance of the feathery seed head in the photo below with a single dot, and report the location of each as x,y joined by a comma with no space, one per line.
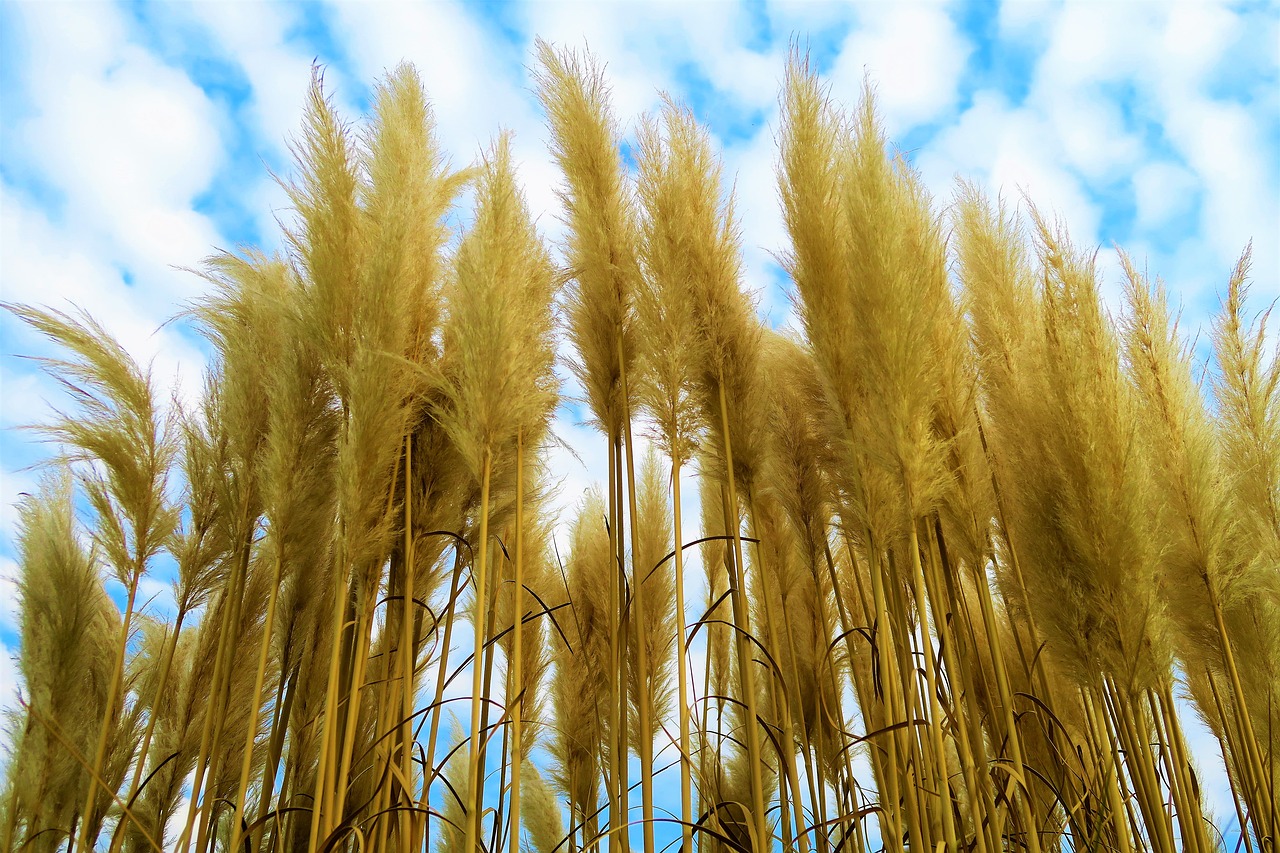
120,425
68,629
499,346
603,238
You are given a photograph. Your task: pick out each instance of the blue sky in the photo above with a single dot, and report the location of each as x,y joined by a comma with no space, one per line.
136,137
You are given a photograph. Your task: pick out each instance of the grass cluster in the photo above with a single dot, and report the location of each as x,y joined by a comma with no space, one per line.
967,540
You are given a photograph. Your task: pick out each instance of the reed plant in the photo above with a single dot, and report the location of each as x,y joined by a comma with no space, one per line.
972,548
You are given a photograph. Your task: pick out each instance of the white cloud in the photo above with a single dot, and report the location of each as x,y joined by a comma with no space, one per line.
1196,38
1009,150
45,265
1113,80
1094,141
1089,42
444,43
278,69
24,397
1164,192
127,140
1019,18
1220,142
915,56
128,143
750,173
1163,59
255,37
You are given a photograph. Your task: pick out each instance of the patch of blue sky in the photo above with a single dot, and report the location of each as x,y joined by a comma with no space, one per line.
775,305
1119,213
1250,65
28,183
758,31
1244,80
916,138
15,51
1142,120
504,18
22,452
314,29
1195,318
185,44
1004,64
182,42
824,44
628,150
16,106
728,119
1250,77
21,348
231,213
572,411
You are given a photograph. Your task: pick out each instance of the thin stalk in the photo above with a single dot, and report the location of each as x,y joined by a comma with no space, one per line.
813,776
477,674
498,832
1232,781
223,698
642,648
1190,817
362,641
931,681
682,670
1252,753
1110,759
515,705
782,706
869,697
324,790
442,677
491,629
962,660
797,795
384,758
167,654
882,636
904,696
616,746
1138,751
1022,801
704,754
251,729
221,671
818,786
206,730
407,643
742,619
280,720
624,611
960,693
920,826
104,733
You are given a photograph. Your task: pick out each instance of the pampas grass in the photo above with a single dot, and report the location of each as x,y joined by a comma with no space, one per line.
965,540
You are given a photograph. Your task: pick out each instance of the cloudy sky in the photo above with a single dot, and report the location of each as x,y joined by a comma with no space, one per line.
135,138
